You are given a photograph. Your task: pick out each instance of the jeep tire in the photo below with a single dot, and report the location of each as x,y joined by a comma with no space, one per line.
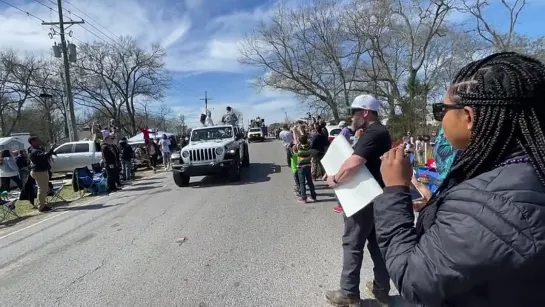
234,171
246,158
180,179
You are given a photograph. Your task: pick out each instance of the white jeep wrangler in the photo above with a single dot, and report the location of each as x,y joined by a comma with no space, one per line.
213,150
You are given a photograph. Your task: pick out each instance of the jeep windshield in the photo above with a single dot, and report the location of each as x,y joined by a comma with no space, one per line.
255,130
212,134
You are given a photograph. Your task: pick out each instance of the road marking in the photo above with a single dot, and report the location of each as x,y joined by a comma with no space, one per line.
61,213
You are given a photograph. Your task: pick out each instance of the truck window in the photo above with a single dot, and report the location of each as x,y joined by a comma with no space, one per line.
64,149
97,147
82,147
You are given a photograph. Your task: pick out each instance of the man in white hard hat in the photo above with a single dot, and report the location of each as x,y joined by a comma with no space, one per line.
359,228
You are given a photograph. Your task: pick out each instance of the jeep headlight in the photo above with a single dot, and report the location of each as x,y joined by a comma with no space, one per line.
185,154
219,151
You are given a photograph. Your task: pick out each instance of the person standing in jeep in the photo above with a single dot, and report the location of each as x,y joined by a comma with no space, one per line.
39,170
229,118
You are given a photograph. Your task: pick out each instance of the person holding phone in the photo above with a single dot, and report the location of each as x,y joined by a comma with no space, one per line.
40,165
480,240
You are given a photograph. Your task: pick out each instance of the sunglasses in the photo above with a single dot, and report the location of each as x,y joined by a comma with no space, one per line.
440,109
354,111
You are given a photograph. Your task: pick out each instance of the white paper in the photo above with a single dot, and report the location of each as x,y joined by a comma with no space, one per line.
357,192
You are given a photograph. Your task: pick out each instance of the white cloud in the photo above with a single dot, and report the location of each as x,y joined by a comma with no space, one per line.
193,4
146,24
177,33
192,45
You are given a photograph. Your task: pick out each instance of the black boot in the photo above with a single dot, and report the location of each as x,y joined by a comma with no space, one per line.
339,299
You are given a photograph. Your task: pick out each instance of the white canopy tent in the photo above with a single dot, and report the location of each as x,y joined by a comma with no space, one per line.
152,134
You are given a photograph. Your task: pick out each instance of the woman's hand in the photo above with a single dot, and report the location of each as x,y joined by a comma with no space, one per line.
419,204
396,168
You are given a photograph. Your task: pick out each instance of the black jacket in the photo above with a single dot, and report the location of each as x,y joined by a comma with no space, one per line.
39,159
108,154
127,153
318,143
485,245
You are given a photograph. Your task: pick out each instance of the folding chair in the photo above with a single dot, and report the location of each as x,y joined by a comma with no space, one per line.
55,189
7,204
87,180
96,168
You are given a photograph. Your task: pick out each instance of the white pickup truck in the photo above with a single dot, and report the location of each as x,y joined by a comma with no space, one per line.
72,155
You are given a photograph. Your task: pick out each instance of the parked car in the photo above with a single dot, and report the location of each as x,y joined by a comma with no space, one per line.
334,130
72,155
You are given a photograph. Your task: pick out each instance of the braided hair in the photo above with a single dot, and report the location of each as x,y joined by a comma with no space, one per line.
507,93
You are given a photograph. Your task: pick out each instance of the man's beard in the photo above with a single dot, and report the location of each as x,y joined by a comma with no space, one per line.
358,123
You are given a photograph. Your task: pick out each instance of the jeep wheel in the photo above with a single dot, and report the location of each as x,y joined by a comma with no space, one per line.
180,179
246,158
234,171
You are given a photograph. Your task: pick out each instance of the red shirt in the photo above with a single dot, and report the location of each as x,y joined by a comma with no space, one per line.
145,132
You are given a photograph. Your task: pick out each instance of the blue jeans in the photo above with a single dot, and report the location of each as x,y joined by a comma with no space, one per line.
126,169
305,177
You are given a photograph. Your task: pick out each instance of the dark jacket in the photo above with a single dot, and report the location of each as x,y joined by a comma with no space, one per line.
485,245
108,154
22,162
39,159
318,143
127,153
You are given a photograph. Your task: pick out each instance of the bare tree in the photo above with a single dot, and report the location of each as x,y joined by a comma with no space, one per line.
500,40
48,97
15,87
112,78
303,50
400,35
143,73
96,71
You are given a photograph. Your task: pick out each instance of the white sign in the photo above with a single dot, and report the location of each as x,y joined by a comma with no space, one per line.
357,192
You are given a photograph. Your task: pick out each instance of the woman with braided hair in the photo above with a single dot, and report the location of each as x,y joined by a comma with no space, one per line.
480,240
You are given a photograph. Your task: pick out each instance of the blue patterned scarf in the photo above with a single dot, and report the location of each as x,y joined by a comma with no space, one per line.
444,154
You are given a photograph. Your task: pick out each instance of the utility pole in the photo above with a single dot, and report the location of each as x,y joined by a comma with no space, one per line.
72,127
206,102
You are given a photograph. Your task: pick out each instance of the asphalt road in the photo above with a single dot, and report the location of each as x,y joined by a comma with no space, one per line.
246,244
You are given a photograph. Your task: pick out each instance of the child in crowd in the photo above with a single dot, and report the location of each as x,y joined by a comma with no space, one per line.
303,154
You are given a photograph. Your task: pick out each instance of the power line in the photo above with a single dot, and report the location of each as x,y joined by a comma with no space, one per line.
21,10
91,18
88,23
180,85
52,9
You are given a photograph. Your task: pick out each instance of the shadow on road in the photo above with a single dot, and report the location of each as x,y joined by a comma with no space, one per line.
395,301
14,221
257,172
84,207
140,188
144,183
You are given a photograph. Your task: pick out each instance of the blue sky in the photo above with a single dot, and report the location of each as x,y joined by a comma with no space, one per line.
201,37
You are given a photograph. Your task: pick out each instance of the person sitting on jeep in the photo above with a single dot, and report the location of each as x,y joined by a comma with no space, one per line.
229,118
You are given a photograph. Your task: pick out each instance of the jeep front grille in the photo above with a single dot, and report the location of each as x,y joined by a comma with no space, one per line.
202,155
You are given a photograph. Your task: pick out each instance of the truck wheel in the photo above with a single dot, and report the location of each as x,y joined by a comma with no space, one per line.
246,158
234,171
180,179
